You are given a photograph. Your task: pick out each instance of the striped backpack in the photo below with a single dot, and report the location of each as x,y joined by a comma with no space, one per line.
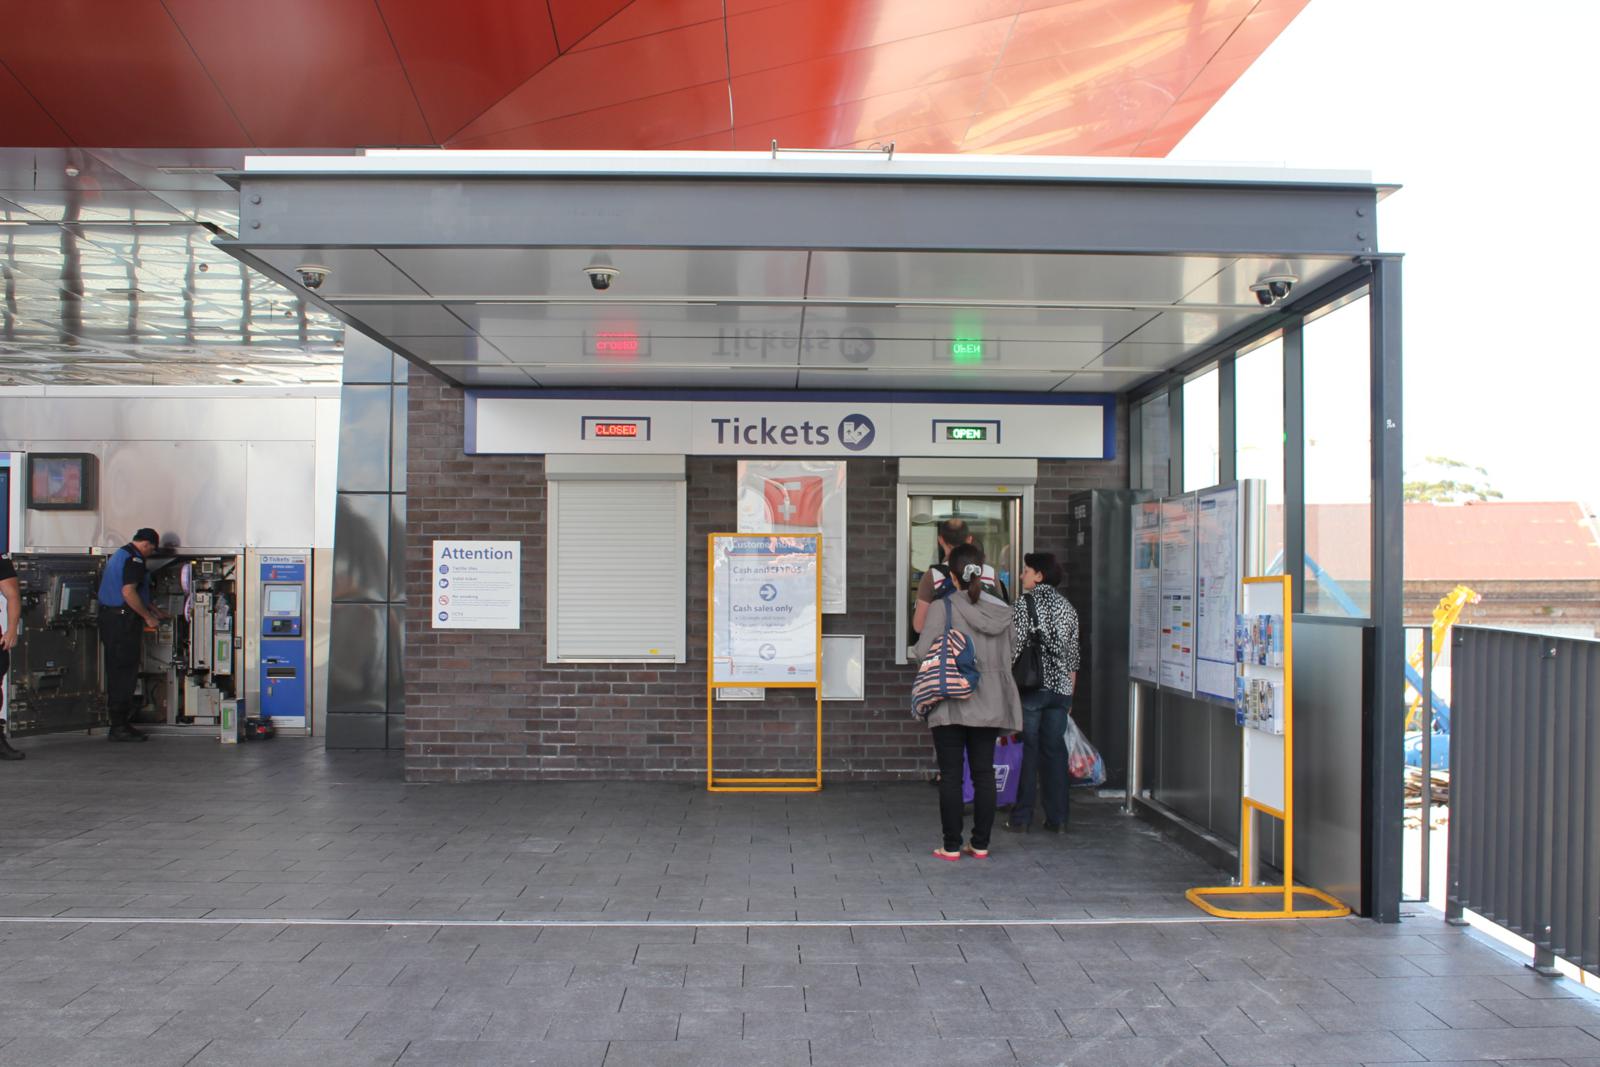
949,670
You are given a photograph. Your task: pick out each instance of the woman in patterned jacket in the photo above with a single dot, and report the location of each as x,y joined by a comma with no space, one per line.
1054,622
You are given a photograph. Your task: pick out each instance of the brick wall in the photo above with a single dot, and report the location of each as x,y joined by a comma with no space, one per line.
486,705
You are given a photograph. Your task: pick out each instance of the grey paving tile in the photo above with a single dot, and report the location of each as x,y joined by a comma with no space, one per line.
774,998
709,1054
999,1024
460,1025
1115,1052
235,1052
1391,990
1242,1050
1346,1018
1523,1011
497,1053
808,1025
66,1052
1155,1022
598,1026
1555,1042
947,1052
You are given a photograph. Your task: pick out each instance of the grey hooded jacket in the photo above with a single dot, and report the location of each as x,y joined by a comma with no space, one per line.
988,625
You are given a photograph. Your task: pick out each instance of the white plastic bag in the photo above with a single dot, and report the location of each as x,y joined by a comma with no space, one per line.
1083,762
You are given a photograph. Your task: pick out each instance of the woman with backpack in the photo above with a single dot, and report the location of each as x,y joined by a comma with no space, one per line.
972,713
1047,650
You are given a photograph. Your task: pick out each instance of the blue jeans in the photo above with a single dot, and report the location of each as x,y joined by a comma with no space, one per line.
1044,757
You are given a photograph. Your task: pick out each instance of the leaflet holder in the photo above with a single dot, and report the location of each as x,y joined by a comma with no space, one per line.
765,622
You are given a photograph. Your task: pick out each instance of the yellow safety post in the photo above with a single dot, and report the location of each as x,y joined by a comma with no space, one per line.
1249,806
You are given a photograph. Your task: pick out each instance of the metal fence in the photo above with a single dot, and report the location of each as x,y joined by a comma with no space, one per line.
1525,788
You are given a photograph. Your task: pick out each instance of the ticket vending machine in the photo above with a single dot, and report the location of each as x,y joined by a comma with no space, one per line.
283,598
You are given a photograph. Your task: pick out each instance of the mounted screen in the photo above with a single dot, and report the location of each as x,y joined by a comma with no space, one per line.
61,481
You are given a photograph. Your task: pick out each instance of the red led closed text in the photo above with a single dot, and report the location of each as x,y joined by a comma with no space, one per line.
616,343
616,429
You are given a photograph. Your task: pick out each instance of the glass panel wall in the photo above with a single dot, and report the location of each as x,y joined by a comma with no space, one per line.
1258,434
1200,431
1155,445
1338,451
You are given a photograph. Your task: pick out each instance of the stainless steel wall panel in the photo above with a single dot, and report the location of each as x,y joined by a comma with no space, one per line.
397,549
27,420
399,421
397,662
1226,784
361,548
364,438
358,674
321,632
357,731
327,471
1183,782
279,483
365,360
1328,678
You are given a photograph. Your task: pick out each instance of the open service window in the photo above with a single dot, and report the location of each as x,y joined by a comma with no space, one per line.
618,559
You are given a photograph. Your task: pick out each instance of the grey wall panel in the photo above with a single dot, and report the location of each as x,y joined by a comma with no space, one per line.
357,731
321,632
327,472
1184,780
361,548
399,421
1328,699
397,548
358,670
279,481
364,438
1227,771
365,360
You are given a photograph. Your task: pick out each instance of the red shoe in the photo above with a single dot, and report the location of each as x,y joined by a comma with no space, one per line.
975,853
945,855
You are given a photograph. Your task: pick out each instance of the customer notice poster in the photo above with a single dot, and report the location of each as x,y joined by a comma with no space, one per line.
764,619
1177,593
1144,616
799,496
477,585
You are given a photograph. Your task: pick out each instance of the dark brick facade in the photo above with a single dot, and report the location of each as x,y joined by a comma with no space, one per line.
486,705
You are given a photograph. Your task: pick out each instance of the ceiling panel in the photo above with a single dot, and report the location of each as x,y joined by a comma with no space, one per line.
117,74
462,58
1097,328
492,377
354,271
904,378
747,325
409,319
648,377
1232,284
279,66
646,274
1003,278
462,350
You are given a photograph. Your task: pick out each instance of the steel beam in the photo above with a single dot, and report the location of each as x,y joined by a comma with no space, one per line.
1066,216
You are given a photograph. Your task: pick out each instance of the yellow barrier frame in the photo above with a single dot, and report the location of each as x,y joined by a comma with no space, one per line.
1249,807
715,784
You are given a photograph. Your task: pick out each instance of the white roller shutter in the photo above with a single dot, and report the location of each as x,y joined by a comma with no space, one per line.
618,561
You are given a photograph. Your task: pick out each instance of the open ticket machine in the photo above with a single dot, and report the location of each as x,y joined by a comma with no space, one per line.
283,598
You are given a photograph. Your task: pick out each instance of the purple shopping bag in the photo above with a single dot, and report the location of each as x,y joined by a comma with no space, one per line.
1007,771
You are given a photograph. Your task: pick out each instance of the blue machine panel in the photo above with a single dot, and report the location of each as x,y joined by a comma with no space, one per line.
283,594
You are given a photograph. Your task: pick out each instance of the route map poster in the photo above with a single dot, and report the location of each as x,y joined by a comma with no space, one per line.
1144,616
1177,593
765,623
1217,594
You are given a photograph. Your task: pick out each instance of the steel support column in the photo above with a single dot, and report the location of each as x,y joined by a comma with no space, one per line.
1386,731
1227,422
1294,464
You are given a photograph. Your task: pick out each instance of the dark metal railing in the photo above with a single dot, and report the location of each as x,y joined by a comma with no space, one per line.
1525,789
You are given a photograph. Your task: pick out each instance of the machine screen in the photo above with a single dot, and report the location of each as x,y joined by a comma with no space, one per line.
283,601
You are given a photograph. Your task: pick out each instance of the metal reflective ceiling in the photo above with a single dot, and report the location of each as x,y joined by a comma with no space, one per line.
108,276
794,319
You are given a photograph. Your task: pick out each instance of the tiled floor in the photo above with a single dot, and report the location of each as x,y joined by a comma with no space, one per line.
178,903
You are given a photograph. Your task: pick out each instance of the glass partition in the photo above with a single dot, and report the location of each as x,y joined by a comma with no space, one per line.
1155,445
1338,457
1201,423
1258,434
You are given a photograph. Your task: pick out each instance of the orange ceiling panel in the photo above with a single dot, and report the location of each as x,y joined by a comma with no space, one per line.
1084,77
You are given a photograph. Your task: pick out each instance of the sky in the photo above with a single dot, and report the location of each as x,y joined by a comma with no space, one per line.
1485,114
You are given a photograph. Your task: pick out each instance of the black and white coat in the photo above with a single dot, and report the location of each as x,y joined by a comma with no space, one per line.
1058,631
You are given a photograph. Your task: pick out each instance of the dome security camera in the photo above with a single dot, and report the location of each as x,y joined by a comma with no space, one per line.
1273,288
601,275
312,275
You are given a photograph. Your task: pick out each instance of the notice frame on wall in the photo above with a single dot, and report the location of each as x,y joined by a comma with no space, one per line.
764,617
1177,567
1144,594
1219,559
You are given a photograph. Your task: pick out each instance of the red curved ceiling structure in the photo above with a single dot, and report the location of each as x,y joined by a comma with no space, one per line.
1084,77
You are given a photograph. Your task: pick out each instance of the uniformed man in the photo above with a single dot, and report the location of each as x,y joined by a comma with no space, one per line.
125,610
11,593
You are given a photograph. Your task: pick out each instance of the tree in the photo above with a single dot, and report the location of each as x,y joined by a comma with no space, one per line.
1445,486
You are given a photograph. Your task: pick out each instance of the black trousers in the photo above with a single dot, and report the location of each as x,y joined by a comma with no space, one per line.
121,638
950,743
5,667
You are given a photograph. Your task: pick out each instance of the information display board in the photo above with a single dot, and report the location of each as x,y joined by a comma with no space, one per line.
1178,593
477,585
1218,558
1144,594
765,596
